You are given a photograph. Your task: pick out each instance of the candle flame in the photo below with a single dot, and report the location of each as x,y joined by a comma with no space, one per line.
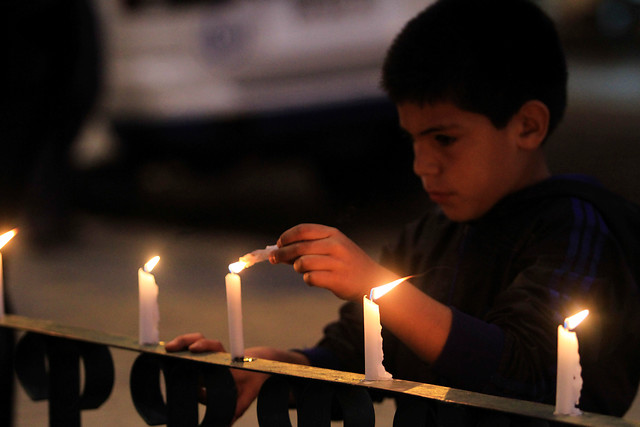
381,290
151,263
572,322
237,267
4,239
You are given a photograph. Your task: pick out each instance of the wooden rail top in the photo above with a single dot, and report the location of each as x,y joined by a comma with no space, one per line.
427,391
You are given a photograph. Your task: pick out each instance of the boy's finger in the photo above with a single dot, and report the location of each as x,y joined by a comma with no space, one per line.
305,232
183,341
308,263
290,253
320,279
204,345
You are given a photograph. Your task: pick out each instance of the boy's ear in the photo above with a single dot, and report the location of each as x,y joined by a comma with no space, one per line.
533,124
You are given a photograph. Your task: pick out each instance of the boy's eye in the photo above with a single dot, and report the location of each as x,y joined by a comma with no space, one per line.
406,136
444,140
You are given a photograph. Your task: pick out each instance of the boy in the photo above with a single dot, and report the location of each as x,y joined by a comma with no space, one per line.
510,250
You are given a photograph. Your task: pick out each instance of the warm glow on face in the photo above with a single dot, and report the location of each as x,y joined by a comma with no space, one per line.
381,290
572,322
4,239
237,267
151,263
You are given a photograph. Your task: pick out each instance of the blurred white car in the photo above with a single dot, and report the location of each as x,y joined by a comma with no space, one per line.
206,81
170,59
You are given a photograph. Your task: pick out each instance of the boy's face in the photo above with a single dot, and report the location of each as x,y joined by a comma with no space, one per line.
465,163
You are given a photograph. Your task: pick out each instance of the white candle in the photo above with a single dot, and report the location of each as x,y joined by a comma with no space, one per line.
2,310
234,315
149,314
4,239
234,298
569,375
373,354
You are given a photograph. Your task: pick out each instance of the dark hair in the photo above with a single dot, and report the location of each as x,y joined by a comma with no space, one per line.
485,56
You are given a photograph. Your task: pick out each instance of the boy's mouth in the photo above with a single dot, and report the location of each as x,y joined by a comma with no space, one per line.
440,197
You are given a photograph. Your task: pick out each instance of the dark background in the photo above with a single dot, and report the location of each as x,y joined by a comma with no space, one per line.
97,188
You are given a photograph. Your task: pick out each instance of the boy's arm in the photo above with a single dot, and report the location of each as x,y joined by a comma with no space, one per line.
408,312
328,259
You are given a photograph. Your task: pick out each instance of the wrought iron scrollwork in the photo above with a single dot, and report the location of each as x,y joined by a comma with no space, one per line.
53,361
49,367
183,380
417,412
316,402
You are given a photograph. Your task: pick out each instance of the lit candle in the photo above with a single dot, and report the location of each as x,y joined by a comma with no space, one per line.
234,298
373,354
234,310
569,376
149,314
4,239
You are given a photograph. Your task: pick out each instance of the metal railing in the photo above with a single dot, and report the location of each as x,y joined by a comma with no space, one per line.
72,368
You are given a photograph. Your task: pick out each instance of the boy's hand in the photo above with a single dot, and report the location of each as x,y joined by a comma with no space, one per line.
194,342
248,383
328,259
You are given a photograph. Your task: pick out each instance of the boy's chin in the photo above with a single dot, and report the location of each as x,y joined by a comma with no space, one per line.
460,215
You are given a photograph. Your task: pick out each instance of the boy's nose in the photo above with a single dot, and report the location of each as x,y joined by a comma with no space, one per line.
423,165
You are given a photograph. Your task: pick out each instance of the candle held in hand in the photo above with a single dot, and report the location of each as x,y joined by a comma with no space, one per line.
569,375
149,313
256,256
4,239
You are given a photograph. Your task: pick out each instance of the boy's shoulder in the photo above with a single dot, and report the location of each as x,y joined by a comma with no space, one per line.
621,216
615,210
577,201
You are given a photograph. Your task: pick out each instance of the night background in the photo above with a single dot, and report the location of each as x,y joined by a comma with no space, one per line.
201,130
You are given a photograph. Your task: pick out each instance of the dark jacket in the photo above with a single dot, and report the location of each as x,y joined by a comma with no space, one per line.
511,277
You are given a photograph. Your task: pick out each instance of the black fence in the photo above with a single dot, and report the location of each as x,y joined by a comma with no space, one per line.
73,369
